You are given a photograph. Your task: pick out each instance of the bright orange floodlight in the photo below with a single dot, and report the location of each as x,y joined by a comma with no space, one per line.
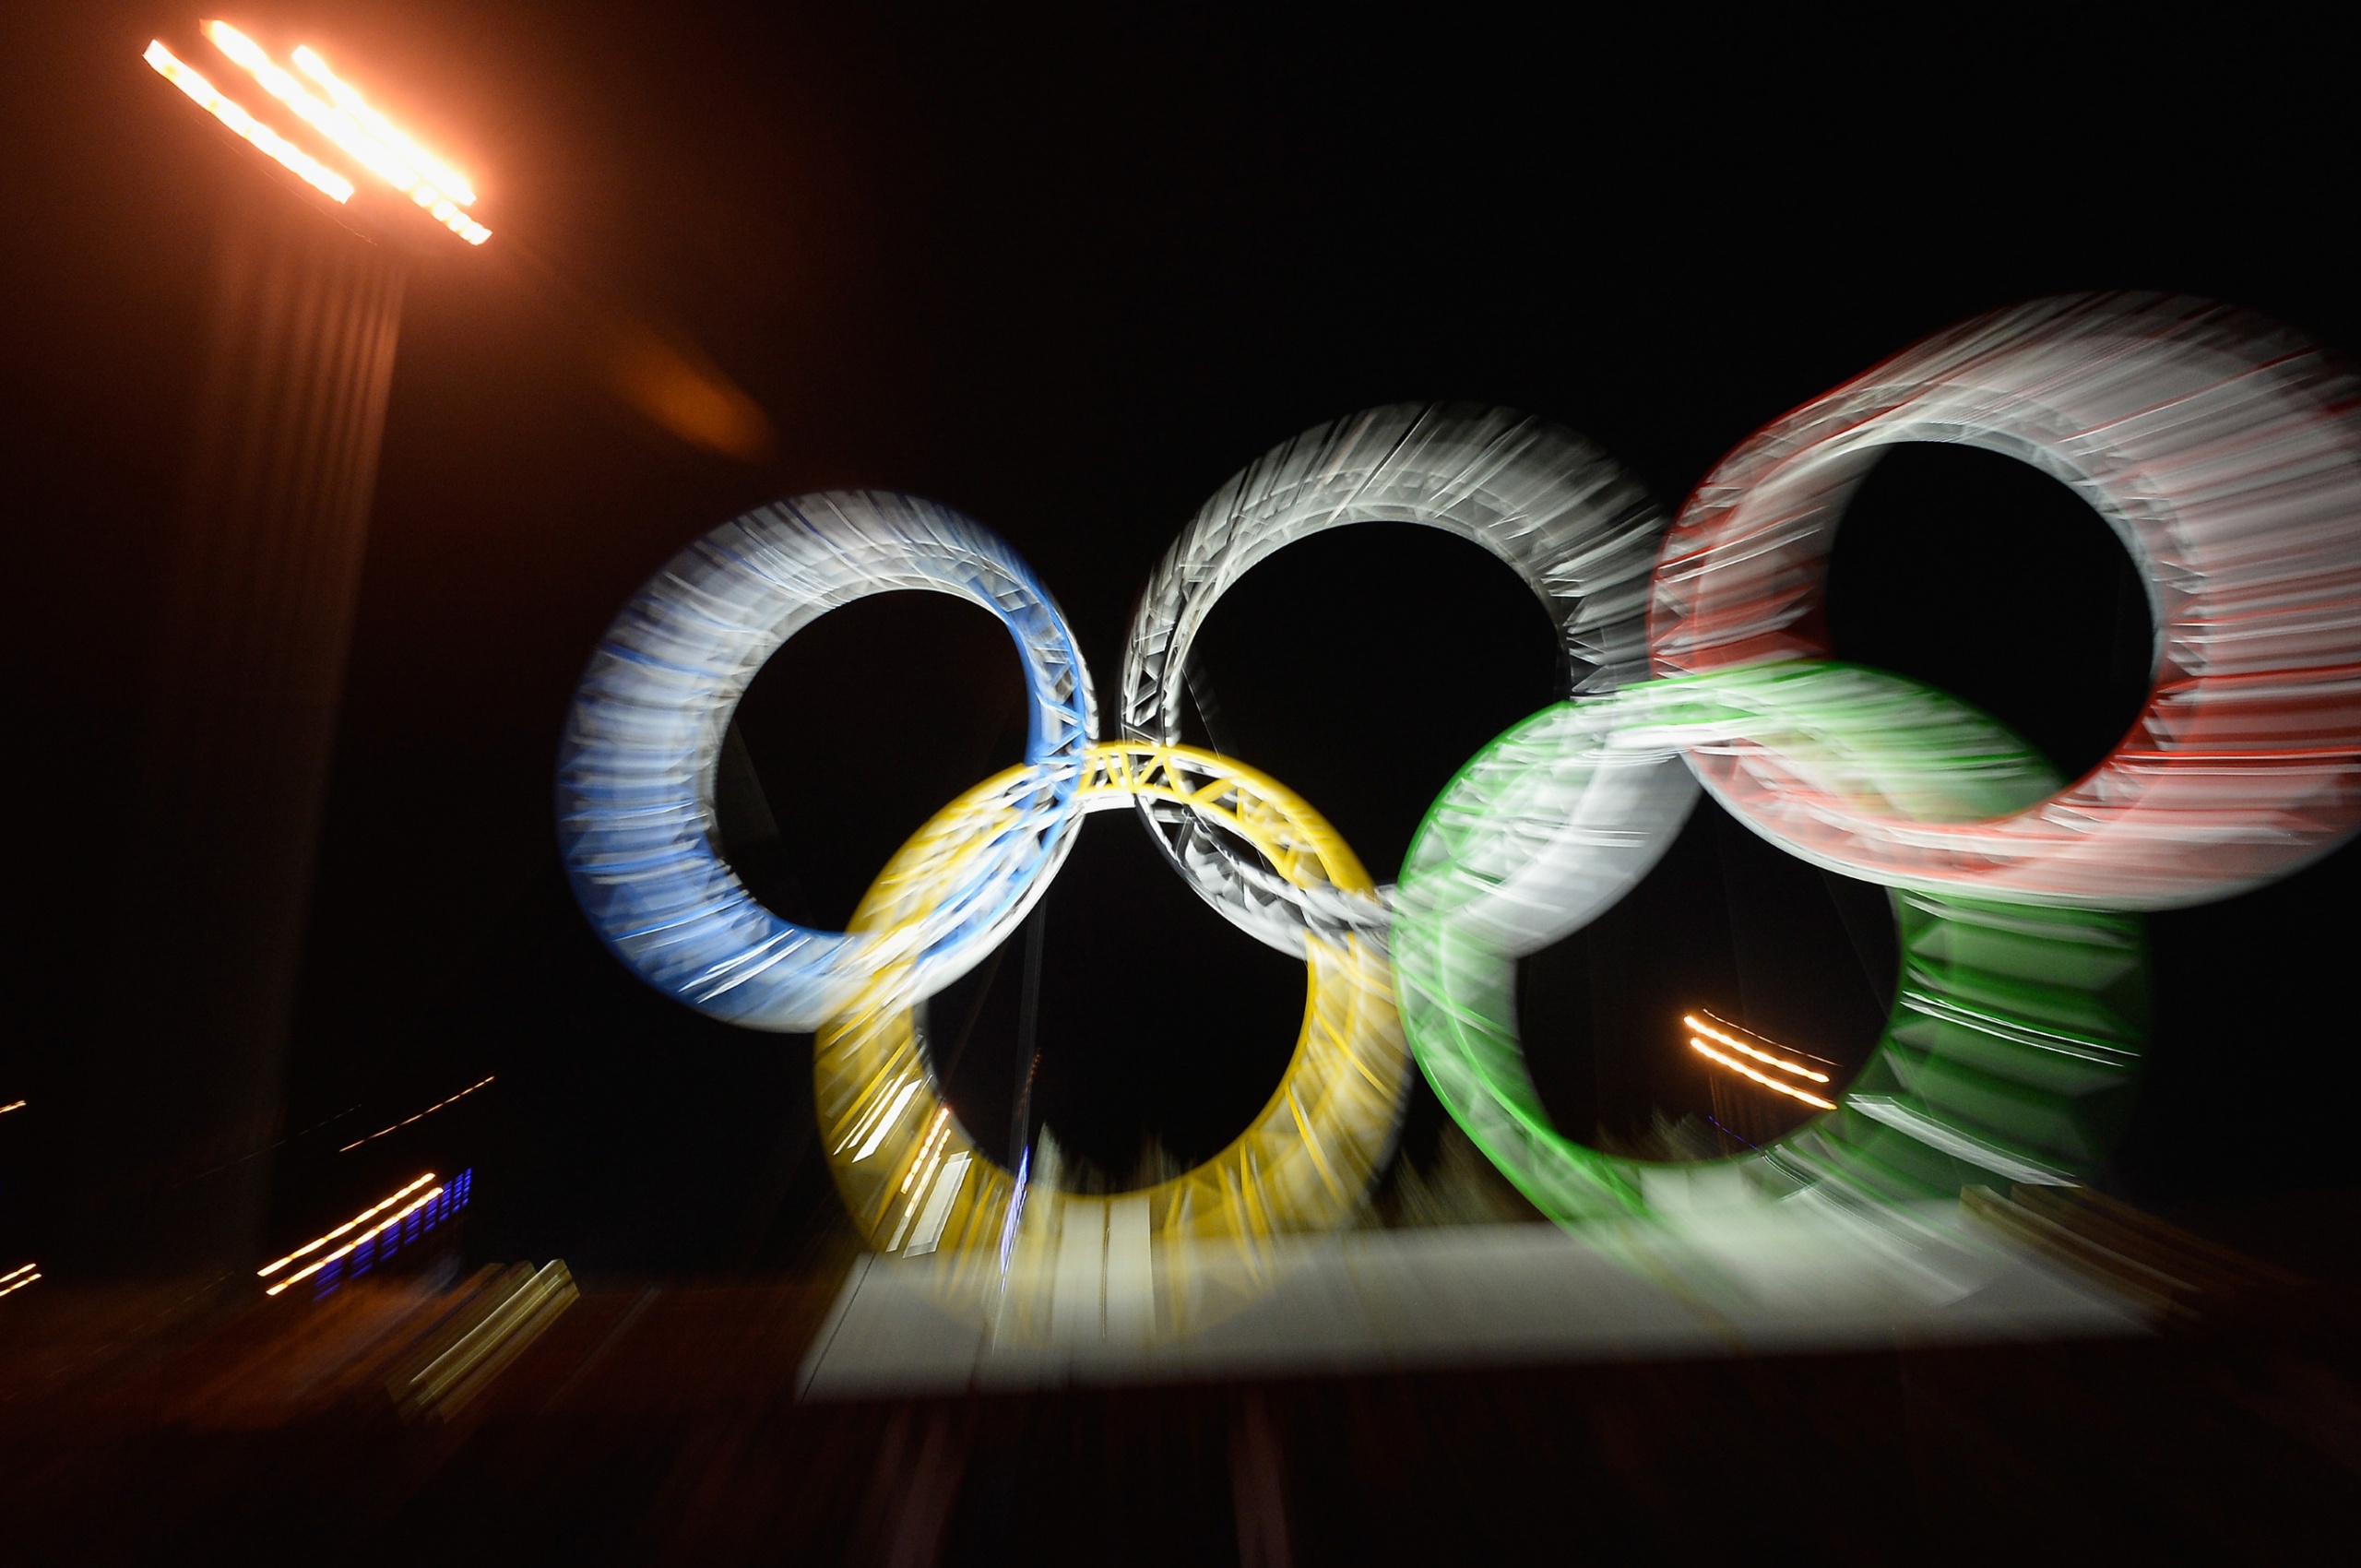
330,122
360,130
347,98
335,186
344,118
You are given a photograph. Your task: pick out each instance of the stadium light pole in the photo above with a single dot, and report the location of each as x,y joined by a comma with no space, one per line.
261,569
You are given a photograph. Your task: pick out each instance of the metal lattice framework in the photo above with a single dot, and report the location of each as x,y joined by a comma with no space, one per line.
643,743
915,1181
2226,451
1580,530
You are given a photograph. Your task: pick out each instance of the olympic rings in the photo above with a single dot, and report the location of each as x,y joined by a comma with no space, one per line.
1577,529
912,1177
2016,1033
2226,451
636,762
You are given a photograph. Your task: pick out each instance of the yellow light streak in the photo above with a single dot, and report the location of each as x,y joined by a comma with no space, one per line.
318,1241
310,1270
20,1268
1768,1083
318,176
12,1105
942,1119
885,1122
12,1289
1738,1045
421,1116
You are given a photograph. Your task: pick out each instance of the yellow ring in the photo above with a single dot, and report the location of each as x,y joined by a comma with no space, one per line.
914,1179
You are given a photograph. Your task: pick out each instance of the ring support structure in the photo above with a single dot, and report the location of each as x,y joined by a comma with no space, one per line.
916,1183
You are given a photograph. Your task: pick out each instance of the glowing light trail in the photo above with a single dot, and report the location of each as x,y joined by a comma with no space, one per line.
310,1270
29,1279
926,1150
1767,1082
267,1270
318,176
20,1268
421,1116
885,1122
12,1105
1738,1045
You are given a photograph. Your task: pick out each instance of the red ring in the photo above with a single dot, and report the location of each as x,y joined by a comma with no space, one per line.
2224,450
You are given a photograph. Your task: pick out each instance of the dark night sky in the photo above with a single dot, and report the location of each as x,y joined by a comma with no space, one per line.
1067,273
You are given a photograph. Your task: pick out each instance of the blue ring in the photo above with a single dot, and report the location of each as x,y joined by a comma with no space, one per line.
643,741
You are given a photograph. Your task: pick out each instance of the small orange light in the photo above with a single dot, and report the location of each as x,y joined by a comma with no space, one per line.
1738,1045
420,1117
1767,1082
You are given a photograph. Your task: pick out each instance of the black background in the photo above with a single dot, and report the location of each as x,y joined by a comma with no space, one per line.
1066,272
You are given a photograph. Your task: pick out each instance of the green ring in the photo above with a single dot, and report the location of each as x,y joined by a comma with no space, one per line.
2012,1050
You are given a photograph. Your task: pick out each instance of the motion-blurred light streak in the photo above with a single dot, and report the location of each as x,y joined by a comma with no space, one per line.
884,1123
18,1278
358,1242
267,1270
1742,1070
388,1240
1760,1055
669,379
13,1105
310,170
421,1116
490,1332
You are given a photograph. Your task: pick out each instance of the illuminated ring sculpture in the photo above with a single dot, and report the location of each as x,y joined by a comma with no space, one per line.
2226,451
914,1179
1580,532
2015,1036
641,744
